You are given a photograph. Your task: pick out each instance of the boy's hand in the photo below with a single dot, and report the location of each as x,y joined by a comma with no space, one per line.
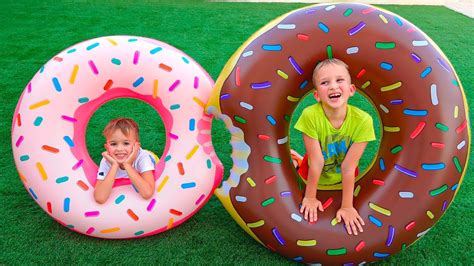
351,218
109,158
310,206
131,158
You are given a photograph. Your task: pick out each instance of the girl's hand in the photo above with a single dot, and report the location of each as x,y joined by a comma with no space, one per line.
310,206
109,158
351,218
131,158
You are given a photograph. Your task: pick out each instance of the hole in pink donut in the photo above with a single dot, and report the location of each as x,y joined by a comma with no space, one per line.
359,101
149,113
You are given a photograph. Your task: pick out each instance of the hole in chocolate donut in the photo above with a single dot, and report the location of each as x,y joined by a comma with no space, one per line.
152,129
221,141
359,101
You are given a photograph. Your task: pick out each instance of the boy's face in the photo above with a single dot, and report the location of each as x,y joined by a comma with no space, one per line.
120,146
333,86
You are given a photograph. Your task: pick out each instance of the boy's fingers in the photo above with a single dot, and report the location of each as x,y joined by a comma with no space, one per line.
353,227
320,207
338,217
348,228
358,225
361,220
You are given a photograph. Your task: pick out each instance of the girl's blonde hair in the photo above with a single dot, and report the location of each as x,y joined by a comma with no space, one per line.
126,125
326,62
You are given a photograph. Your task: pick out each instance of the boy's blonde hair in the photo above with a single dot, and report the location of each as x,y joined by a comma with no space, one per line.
326,62
126,125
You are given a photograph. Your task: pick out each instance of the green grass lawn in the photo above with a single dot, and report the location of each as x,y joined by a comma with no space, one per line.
32,32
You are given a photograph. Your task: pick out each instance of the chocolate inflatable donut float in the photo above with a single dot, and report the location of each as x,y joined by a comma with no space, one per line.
424,146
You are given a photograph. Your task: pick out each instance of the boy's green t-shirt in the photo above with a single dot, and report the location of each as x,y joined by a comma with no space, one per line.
357,127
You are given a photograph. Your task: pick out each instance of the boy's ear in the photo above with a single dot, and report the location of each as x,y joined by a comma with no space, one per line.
316,95
352,89
105,146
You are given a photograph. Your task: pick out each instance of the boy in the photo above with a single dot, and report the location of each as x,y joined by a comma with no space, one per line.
124,158
335,136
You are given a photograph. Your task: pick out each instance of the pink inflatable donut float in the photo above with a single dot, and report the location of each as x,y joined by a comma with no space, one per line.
50,120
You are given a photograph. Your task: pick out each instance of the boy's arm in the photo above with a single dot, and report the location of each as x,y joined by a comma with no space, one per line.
145,182
103,188
347,212
310,203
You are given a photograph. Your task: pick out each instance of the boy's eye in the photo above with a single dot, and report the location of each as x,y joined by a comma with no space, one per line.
340,80
126,143
113,144
324,83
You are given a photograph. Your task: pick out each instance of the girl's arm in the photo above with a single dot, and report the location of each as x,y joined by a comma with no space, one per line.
103,188
310,203
347,212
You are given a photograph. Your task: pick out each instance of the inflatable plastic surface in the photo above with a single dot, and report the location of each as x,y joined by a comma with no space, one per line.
425,141
48,135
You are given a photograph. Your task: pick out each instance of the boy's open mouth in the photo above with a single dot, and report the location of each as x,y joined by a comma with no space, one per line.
334,95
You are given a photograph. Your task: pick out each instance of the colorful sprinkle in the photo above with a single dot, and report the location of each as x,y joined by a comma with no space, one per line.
406,171
406,194
415,57
433,166
132,215
385,45
336,252
375,221
174,85
410,225
92,46
286,26
295,65
420,43
271,159
261,85
271,120
352,50
119,199
306,243
268,202
277,235
380,209
250,181
93,67
49,149
437,191
425,72
256,224
356,29
391,87
82,185
151,205
155,50
66,204
391,235
272,47
360,246
188,185
323,27
62,179
92,214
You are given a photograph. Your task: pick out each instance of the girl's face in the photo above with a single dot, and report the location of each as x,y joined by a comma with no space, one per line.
333,86
120,146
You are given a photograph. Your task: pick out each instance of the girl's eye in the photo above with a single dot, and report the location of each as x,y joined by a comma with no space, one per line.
113,144
324,83
340,80
126,143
